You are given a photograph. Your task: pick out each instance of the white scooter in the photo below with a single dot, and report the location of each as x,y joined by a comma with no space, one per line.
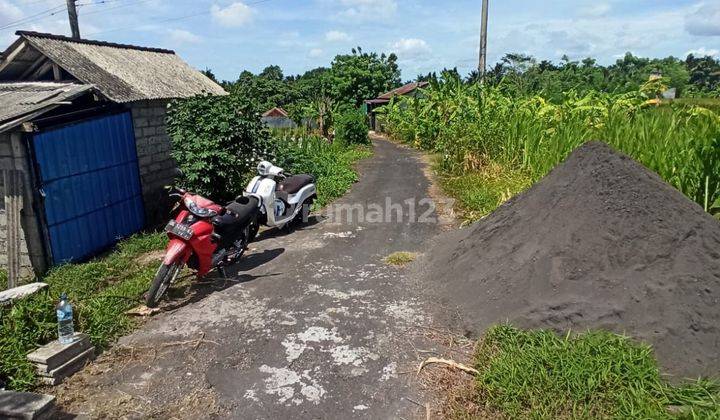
282,197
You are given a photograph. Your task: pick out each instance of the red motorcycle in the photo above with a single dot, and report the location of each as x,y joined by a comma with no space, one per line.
204,235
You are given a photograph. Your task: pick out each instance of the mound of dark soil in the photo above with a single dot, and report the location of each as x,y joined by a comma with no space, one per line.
600,242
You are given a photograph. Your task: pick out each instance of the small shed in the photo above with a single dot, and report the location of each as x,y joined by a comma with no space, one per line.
84,150
277,118
371,105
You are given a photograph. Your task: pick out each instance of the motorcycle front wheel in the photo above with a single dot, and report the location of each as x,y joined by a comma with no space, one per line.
165,275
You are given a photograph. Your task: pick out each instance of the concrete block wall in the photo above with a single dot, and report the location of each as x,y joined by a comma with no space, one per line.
14,156
154,161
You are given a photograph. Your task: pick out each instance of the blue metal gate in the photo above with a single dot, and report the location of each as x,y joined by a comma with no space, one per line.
89,178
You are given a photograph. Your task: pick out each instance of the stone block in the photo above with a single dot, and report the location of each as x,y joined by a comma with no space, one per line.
149,131
56,354
142,122
11,295
57,375
26,405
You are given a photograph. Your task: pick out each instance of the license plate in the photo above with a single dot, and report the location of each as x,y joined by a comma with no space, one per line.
177,229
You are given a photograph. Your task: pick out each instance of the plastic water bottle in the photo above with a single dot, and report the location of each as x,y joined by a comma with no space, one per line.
65,320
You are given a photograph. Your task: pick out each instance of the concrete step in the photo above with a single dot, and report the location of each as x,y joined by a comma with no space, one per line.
56,354
26,405
71,366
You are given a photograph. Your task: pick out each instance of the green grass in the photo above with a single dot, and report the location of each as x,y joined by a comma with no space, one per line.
540,375
332,164
100,290
400,258
479,192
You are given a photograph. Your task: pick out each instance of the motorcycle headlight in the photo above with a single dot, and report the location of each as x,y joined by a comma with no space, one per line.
197,210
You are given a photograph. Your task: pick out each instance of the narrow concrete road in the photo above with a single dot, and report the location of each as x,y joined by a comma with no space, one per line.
314,324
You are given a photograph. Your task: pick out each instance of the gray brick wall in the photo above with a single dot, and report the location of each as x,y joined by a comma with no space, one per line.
13,156
154,161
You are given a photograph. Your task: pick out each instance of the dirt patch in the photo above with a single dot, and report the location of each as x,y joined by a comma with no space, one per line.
601,242
152,257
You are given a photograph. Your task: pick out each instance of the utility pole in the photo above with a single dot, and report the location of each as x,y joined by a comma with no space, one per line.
72,15
482,63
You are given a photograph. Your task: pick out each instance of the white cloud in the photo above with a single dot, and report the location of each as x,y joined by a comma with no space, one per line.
368,9
236,14
182,36
9,12
702,52
315,52
410,47
336,36
705,21
595,10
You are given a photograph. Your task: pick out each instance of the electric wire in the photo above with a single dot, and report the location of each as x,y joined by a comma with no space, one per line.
34,17
172,19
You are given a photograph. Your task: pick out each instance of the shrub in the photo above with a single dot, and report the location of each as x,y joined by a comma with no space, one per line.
330,164
217,141
351,128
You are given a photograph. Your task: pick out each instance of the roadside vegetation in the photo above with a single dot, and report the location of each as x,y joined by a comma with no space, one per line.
538,374
101,291
494,139
482,133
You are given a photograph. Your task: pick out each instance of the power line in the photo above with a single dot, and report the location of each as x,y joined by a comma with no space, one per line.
108,9
34,17
172,19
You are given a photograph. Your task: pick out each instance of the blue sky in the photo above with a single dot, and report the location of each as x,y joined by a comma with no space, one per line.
229,36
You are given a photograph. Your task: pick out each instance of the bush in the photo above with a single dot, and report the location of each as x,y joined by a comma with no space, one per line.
217,141
351,128
330,164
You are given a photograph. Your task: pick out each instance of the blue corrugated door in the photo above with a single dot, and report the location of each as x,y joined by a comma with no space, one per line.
89,177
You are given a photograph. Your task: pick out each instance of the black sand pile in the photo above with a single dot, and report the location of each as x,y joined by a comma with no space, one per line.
601,242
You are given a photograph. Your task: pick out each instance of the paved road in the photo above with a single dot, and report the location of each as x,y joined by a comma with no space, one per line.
314,324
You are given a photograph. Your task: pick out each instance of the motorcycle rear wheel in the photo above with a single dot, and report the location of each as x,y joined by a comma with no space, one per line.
165,275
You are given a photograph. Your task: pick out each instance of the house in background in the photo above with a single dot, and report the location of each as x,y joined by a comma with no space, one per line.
371,105
277,118
84,150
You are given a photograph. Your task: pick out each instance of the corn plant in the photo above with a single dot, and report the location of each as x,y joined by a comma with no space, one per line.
470,125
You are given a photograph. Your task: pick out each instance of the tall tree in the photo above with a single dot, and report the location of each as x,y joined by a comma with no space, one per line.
359,75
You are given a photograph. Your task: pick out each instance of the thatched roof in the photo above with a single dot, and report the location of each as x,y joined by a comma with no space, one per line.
122,73
21,99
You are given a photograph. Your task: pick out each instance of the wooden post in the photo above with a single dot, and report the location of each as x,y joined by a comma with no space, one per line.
482,62
72,16
12,180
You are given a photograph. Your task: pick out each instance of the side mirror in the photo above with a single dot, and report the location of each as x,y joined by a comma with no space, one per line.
241,199
177,173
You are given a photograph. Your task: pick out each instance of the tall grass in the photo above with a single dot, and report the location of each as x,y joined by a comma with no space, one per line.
472,125
330,163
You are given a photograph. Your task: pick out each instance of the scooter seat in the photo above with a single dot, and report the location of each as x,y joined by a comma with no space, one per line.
293,184
243,212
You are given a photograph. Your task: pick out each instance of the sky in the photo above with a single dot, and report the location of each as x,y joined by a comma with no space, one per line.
230,36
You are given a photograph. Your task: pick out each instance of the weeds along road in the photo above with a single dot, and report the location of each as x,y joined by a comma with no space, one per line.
313,325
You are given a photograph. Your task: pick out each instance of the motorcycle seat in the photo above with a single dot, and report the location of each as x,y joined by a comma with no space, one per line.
238,213
293,184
